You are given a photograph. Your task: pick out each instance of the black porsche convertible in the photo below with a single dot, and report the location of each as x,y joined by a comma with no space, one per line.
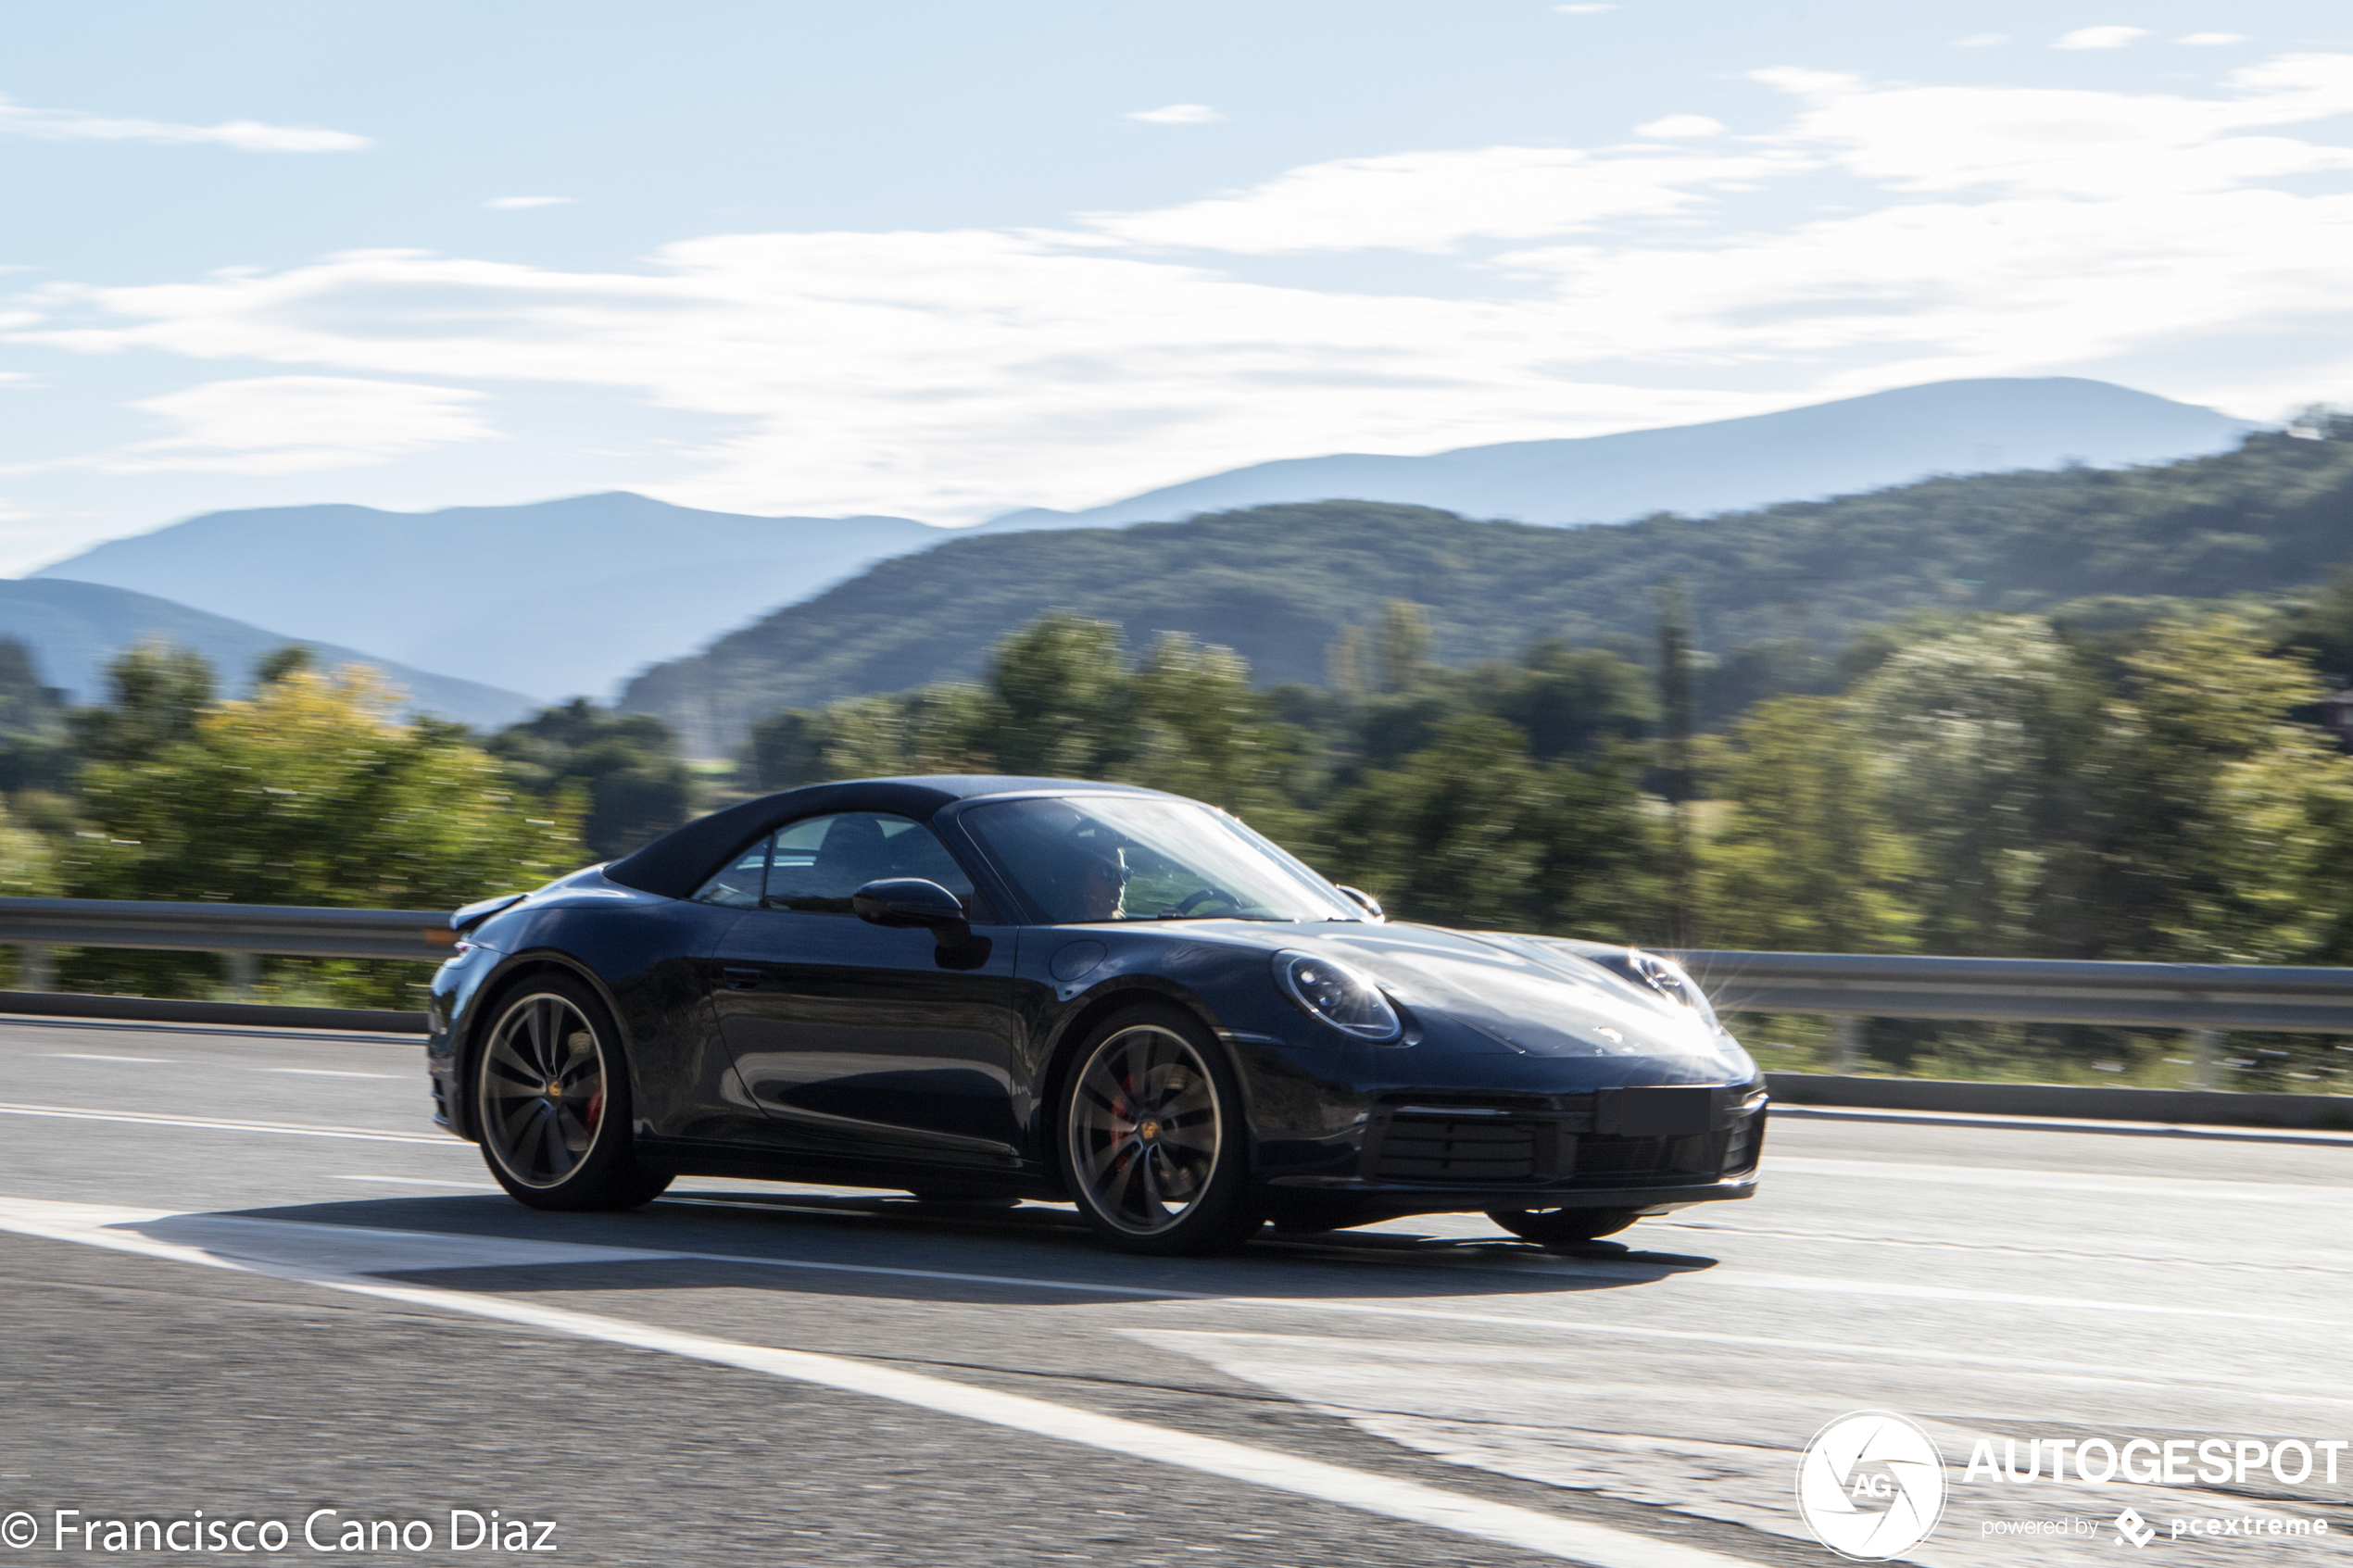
977,989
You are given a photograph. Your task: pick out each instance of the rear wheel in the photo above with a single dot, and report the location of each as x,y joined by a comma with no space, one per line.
1553,1227
1154,1148
551,1100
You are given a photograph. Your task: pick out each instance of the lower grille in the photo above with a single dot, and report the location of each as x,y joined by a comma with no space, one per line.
1430,1144
1473,1150
1748,1143
1612,1161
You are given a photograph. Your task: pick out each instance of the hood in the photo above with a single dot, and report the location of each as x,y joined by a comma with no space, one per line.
1539,995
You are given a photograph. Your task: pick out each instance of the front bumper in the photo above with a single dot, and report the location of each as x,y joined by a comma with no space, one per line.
1416,1157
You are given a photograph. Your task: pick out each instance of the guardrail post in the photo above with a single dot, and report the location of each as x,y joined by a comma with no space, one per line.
1846,1043
2206,1048
34,971
244,970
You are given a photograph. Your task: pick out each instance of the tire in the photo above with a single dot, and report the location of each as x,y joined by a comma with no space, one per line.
567,1151
1154,1148
1556,1227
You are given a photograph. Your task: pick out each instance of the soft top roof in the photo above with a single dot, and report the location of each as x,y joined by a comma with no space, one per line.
678,862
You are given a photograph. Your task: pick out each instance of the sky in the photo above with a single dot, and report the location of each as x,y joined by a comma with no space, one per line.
943,260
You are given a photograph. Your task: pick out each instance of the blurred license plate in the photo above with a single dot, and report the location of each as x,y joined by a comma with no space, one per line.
1654,1112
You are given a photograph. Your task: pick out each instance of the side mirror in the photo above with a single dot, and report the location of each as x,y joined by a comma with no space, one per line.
1365,900
910,901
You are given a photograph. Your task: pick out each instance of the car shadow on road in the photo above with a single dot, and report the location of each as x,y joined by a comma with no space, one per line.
883,1247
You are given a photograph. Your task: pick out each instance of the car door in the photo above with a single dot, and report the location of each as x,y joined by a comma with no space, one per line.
865,1042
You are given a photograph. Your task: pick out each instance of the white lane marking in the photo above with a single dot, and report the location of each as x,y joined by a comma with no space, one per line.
2007,1250
331,1072
214,1123
1827,1286
1525,1528
424,1182
2174,1188
92,1055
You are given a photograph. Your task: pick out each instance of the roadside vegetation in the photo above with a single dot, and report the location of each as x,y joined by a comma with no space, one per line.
1965,766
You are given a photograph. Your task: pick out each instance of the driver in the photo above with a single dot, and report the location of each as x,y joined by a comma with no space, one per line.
1103,882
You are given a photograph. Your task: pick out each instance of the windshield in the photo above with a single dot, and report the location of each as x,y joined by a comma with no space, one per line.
1108,858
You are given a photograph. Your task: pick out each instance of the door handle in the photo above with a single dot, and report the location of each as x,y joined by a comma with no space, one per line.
740,977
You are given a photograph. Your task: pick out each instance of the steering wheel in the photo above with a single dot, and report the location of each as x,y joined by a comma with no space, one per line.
1186,905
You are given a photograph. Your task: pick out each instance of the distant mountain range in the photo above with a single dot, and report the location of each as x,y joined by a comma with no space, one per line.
573,596
1838,448
555,600
1280,583
74,629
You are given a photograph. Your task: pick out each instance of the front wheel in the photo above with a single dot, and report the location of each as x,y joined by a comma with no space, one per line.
1154,1148
1555,1227
551,1101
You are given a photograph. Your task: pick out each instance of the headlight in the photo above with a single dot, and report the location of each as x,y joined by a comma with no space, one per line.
1669,979
1337,994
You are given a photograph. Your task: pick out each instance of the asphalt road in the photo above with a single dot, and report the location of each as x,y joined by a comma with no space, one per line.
242,1273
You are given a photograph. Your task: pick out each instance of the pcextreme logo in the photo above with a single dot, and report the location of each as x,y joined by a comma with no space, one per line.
1871,1486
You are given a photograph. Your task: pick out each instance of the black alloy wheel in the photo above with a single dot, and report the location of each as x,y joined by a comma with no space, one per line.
1556,1227
1155,1150
552,1101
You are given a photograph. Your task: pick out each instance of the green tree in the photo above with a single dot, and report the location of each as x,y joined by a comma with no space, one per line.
1991,742
787,749
28,867
155,691
1601,873
1197,728
280,662
2322,631
1471,831
2226,823
310,792
34,751
1446,837
1059,684
1570,700
624,765
1400,645
1804,857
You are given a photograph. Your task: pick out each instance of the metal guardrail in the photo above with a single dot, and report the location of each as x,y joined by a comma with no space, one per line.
2147,995
2200,997
285,930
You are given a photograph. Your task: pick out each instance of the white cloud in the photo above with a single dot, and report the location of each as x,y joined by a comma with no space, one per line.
1979,41
1682,125
300,425
252,136
2100,37
1995,231
510,204
1433,201
1177,114
2089,143
2211,39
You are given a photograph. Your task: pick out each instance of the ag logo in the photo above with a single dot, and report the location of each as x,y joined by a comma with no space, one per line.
1871,1486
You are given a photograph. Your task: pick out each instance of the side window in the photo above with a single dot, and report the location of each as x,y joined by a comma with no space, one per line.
816,864
736,886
